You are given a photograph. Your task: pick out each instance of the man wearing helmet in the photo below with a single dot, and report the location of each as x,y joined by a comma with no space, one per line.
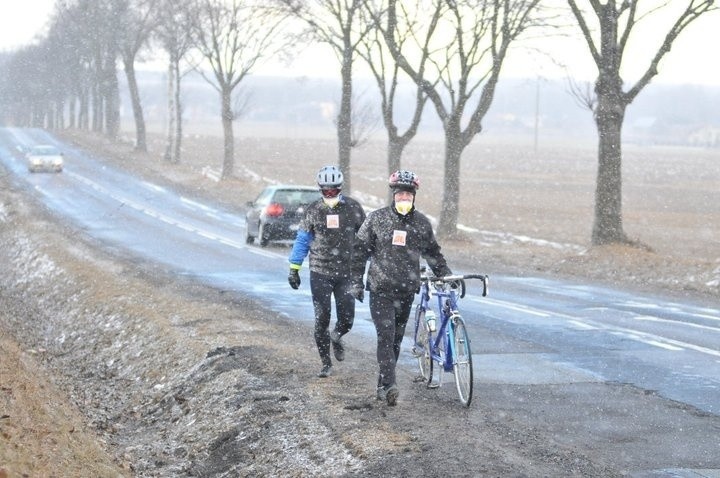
393,239
327,233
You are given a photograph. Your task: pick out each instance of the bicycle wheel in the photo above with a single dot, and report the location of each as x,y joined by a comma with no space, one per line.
462,361
421,349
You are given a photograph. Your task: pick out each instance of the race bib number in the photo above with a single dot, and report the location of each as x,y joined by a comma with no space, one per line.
399,238
333,221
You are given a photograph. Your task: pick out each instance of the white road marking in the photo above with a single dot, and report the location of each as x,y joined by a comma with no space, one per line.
702,312
655,343
644,337
196,204
162,217
651,318
582,325
152,186
517,307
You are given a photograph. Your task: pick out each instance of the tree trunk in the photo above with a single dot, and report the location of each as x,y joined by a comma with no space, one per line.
112,102
169,138
178,114
97,109
38,118
60,114
228,166
50,116
394,154
608,227
84,113
72,122
344,121
140,133
449,212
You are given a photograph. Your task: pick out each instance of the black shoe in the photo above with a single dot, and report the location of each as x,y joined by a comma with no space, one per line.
391,395
326,371
381,394
388,393
337,345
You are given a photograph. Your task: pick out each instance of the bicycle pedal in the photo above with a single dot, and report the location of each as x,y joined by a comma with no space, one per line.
418,379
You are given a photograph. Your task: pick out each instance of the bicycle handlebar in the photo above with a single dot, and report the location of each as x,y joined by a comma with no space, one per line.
460,278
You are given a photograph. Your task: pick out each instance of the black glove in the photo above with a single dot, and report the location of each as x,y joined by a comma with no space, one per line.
358,291
294,278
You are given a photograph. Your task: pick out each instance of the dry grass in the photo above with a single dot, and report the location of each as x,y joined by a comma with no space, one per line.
43,436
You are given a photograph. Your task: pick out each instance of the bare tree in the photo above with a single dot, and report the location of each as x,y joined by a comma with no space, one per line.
79,54
107,34
37,83
456,56
242,101
583,94
338,24
616,21
386,72
70,21
233,36
137,20
173,33
96,35
364,120
58,77
23,88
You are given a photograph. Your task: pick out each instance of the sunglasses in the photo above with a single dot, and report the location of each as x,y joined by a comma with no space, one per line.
330,192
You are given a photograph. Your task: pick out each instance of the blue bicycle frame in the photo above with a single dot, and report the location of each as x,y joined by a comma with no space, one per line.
444,305
448,345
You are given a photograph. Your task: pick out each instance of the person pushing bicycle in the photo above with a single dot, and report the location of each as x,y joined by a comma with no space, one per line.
393,239
327,233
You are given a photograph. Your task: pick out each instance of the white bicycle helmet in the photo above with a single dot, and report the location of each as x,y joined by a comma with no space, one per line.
329,177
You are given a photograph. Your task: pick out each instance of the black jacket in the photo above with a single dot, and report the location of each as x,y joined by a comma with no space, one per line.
394,244
328,234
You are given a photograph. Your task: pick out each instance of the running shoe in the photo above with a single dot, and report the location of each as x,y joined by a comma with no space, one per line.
337,345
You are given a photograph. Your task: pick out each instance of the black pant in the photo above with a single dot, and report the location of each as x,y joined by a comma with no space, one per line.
390,316
323,287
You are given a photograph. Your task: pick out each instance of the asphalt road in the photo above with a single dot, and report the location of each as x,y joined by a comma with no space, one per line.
529,332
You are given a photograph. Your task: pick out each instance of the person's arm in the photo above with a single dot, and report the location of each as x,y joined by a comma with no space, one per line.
363,247
359,249
300,248
431,253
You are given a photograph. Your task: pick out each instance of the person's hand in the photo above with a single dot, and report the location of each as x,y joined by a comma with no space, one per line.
358,291
294,278
456,284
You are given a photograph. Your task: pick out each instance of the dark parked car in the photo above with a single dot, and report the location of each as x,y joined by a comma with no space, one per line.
276,213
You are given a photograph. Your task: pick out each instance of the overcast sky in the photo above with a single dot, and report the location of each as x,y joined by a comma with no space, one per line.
693,58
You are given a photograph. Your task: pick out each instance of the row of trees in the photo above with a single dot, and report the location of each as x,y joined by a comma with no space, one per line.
453,52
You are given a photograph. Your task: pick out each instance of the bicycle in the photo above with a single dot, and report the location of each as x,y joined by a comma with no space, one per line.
449,345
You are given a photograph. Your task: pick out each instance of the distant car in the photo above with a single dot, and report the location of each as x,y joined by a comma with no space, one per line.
44,158
276,213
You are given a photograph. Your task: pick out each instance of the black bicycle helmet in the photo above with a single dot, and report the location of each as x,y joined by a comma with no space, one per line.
329,177
404,181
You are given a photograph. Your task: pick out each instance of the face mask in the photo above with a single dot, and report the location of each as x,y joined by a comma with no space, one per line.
403,207
331,202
